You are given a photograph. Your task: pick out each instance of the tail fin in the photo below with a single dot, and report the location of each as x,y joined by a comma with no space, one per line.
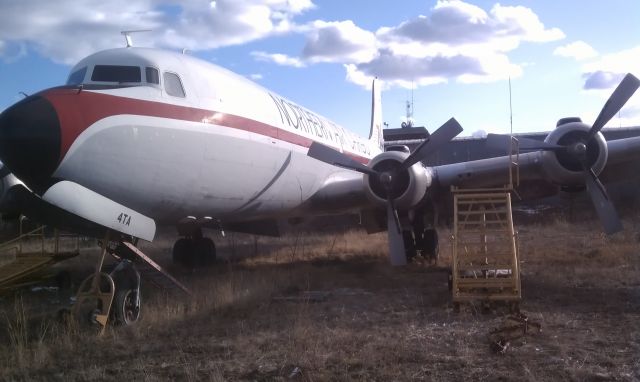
375,135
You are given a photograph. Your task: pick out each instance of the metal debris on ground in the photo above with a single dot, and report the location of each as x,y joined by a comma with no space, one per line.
295,372
515,326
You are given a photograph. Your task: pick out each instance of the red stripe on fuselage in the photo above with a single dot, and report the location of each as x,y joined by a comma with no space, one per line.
77,110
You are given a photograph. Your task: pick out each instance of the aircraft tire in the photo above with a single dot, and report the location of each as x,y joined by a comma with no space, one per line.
409,245
125,310
183,252
430,248
204,251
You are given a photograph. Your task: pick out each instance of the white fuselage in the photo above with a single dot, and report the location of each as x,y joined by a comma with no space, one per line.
229,149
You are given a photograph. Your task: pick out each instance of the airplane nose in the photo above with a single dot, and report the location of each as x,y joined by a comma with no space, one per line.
30,141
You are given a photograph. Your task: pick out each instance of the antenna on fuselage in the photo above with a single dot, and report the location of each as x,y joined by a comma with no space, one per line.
127,35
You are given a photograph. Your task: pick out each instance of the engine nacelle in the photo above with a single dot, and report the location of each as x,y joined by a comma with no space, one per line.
409,187
563,168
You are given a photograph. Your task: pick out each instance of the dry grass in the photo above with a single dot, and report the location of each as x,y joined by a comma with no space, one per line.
376,322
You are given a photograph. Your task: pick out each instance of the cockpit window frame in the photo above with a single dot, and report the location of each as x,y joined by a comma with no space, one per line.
182,94
146,75
104,75
78,76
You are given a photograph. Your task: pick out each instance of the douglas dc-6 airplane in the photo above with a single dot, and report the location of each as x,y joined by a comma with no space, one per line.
142,137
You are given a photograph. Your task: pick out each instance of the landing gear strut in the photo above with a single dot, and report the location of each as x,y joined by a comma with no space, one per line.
113,295
194,251
421,240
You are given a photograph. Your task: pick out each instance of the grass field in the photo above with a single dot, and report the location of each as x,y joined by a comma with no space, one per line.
329,307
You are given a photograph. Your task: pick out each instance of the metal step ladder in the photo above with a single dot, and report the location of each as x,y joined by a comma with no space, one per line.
485,263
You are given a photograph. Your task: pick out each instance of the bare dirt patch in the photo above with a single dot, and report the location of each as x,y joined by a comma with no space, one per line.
329,307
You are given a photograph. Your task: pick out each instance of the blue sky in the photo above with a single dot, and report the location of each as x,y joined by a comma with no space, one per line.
564,57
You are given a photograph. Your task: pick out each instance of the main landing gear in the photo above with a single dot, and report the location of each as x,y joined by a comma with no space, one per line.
424,243
194,251
420,240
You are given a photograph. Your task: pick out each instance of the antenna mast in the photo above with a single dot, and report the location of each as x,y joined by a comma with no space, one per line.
409,106
127,35
510,109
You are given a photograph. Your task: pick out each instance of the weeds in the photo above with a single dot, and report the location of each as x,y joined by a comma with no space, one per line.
378,323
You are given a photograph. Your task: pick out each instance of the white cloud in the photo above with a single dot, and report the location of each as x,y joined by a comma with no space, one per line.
256,76
601,80
458,24
278,58
457,41
602,75
578,50
340,41
607,71
68,30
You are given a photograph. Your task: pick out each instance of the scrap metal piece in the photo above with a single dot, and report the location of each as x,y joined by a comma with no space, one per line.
515,326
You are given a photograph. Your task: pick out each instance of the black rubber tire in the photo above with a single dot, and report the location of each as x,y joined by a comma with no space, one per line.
183,252
409,245
124,309
204,251
430,248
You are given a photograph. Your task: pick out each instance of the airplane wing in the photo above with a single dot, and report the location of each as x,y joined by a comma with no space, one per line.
494,172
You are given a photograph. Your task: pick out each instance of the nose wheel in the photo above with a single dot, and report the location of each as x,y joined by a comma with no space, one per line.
127,306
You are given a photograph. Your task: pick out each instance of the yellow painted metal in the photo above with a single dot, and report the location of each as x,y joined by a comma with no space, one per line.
23,258
484,260
94,300
95,295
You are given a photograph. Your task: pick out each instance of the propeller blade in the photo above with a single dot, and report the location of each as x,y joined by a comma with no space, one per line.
502,142
444,134
4,171
601,201
333,157
397,254
620,96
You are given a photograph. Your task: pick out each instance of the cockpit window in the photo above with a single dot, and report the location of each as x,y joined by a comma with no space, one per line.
153,77
116,73
173,85
77,77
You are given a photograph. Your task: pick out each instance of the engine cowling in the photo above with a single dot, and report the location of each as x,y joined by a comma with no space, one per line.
409,187
563,167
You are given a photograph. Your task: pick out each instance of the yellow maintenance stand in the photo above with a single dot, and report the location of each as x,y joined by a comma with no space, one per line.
485,258
24,259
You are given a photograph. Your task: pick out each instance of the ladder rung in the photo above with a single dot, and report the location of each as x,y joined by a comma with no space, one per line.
486,202
504,230
472,282
502,268
485,212
478,256
484,222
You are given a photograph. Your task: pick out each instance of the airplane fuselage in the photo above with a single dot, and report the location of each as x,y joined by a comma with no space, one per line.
172,136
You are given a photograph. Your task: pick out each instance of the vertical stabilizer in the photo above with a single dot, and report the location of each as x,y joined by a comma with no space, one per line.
375,135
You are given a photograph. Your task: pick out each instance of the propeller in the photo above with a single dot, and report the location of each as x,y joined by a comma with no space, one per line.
390,177
577,150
